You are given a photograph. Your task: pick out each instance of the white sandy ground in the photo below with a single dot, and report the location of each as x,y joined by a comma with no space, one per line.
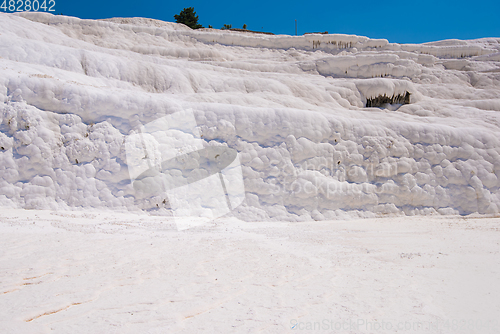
103,272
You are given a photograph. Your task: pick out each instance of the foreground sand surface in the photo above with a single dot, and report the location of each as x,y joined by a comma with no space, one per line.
102,272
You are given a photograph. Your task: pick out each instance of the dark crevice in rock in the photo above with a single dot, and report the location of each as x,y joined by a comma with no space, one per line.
380,100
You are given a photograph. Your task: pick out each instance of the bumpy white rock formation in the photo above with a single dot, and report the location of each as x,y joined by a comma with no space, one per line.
296,109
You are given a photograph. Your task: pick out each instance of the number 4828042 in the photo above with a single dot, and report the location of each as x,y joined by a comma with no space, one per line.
28,5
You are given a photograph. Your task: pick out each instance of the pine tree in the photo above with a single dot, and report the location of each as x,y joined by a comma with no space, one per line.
188,17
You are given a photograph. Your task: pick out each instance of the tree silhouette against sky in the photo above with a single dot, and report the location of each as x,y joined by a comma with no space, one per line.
188,17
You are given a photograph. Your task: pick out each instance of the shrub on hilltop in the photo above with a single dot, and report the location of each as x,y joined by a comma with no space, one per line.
188,17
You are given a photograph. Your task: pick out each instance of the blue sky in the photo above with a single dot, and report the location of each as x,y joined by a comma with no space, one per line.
397,21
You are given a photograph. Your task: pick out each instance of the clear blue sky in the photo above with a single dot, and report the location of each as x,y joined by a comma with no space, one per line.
398,21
